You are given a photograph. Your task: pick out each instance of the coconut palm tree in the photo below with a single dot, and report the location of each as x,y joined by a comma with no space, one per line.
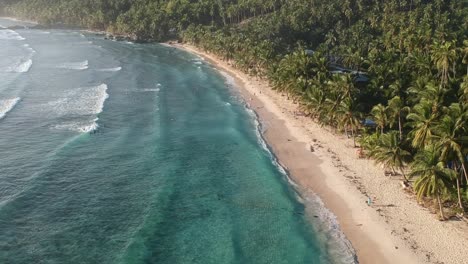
349,117
390,153
422,122
450,135
380,117
396,109
444,56
433,178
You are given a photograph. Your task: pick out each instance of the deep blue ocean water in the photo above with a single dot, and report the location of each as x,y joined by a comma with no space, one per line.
113,152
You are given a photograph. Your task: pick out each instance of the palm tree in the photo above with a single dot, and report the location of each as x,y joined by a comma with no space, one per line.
379,114
422,121
390,153
396,109
434,179
450,135
444,56
349,117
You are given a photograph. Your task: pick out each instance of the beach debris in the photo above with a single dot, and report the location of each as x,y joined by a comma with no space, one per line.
311,148
404,184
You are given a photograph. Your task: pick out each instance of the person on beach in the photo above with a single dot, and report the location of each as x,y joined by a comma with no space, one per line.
369,201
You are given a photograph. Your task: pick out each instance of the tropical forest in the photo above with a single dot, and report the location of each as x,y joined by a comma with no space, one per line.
391,74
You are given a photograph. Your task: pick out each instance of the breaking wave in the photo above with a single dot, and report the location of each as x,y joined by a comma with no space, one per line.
82,101
110,69
83,65
20,67
80,126
8,34
7,105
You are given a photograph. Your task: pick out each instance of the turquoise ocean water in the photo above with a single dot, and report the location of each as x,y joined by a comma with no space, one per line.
113,152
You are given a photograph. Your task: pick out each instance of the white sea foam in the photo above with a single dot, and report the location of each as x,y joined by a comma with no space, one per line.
110,69
329,229
21,66
8,34
25,66
80,126
79,104
82,65
7,105
82,101
230,81
151,90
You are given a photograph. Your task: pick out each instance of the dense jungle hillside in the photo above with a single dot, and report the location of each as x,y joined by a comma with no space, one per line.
393,74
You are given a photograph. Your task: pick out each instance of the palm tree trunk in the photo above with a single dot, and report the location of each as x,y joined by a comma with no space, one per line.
440,207
464,170
400,127
404,175
460,203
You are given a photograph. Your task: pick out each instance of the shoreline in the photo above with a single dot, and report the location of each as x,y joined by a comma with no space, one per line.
394,229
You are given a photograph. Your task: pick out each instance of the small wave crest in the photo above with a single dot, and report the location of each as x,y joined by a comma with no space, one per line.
230,81
157,89
116,69
8,34
151,90
7,105
27,47
20,67
80,126
82,65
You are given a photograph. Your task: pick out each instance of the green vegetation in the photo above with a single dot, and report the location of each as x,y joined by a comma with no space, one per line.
401,63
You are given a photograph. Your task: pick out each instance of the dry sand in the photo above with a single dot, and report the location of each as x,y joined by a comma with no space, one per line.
394,229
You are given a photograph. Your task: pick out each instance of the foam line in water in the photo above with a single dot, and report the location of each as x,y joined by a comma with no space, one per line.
151,90
230,81
79,126
82,101
7,105
116,69
337,243
21,67
82,65
26,46
8,34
